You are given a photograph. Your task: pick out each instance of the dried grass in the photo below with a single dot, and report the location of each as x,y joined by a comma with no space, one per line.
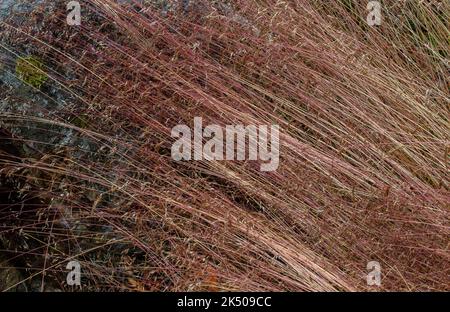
364,161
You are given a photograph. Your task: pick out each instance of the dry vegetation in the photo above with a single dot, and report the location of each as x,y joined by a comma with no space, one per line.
364,167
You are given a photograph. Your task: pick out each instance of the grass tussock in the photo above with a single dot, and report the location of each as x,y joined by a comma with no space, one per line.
364,160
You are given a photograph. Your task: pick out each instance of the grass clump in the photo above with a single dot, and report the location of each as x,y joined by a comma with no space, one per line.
363,176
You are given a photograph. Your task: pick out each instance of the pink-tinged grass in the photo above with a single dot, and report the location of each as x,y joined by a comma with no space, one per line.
364,168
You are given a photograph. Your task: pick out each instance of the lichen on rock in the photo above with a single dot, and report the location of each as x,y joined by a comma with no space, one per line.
31,71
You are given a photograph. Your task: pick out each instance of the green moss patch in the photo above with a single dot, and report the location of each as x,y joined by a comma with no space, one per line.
31,71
